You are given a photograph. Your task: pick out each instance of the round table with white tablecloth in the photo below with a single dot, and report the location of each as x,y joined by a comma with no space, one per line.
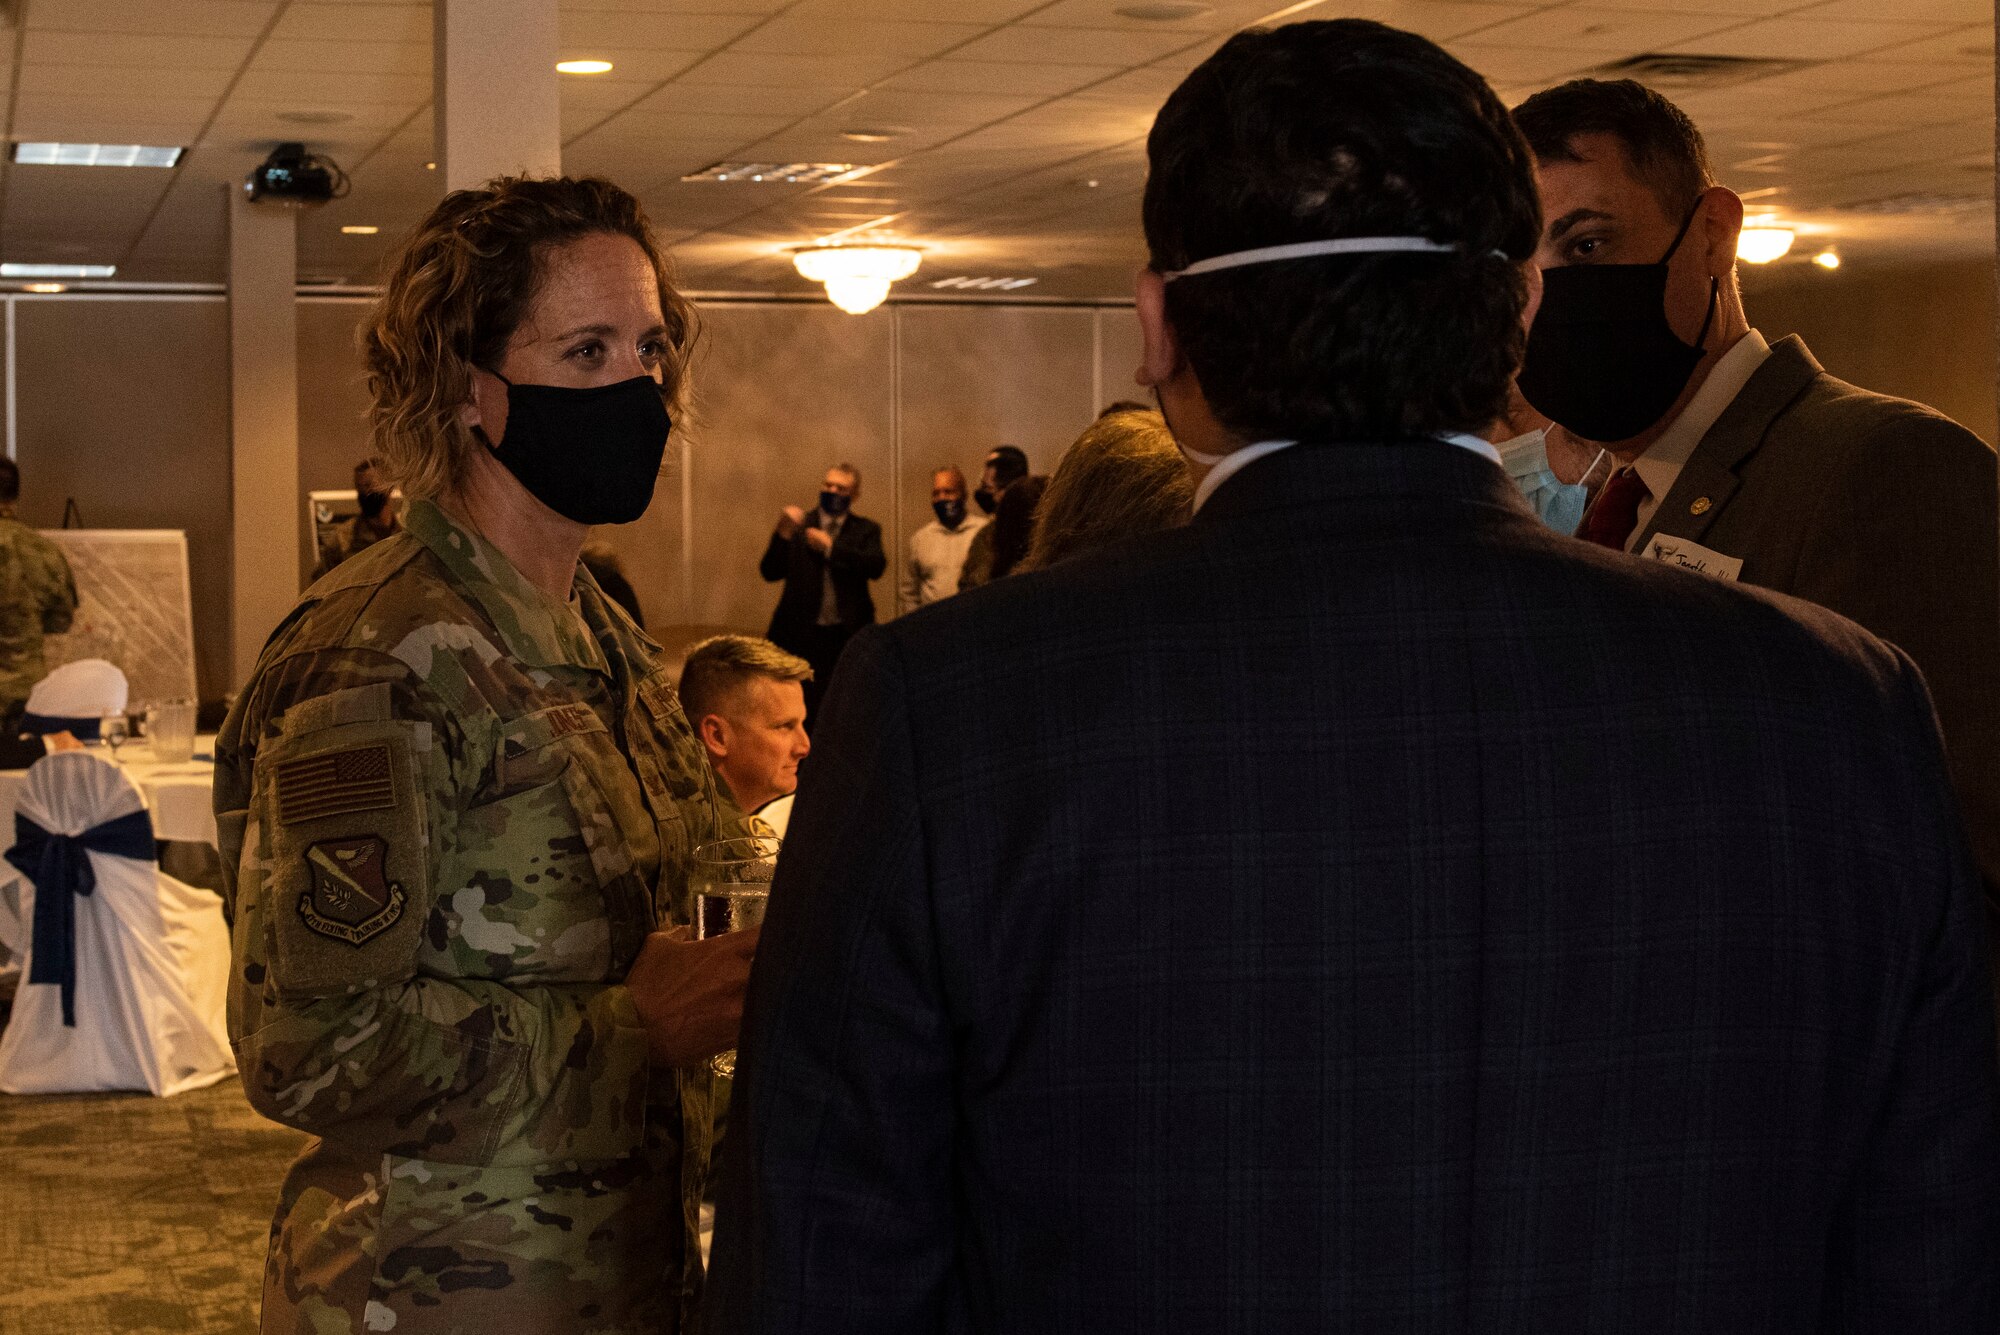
179,797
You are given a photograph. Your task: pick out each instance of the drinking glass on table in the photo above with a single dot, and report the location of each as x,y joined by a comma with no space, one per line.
113,729
732,885
170,725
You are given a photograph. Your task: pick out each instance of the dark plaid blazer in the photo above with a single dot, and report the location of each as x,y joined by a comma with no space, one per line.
1364,910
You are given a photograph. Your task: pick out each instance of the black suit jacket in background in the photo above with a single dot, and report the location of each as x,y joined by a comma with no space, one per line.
1364,910
857,557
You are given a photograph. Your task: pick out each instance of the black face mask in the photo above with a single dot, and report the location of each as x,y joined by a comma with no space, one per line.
373,503
591,455
986,500
833,505
1602,360
950,513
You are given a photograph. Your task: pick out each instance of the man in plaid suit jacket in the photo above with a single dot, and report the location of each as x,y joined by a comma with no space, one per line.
1363,909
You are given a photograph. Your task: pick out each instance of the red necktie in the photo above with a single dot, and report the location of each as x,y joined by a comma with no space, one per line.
1616,511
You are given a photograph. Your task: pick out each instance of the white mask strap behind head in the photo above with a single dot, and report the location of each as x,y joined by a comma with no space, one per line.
1346,245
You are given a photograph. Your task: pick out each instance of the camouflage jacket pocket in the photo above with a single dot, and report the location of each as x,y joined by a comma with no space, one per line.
541,870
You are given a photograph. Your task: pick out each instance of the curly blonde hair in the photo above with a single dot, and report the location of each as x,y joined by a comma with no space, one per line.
1123,476
461,287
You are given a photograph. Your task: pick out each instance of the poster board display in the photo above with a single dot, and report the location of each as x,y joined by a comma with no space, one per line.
134,608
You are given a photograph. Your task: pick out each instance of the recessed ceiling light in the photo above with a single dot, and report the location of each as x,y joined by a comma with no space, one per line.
430,166
583,67
1163,11
310,117
966,284
875,134
780,173
1828,258
57,270
95,155
359,229
47,289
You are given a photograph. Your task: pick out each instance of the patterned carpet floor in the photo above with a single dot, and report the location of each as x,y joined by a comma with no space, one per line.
120,1212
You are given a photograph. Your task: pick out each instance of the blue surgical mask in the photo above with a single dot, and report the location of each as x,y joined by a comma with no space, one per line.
1559,505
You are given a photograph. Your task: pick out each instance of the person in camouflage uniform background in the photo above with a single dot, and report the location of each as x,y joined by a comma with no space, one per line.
37,599
457,811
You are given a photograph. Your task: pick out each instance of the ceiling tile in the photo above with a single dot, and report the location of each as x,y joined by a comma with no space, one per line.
891,106
1221,15
1802,39
1073,46
1919,11
405,23
164,81
676,6
959,11
326,88
792,36
724,100
1609,31
344,57
1956,46
133,51
678,32
1539,65
1439,20
973,76
744,70
192,18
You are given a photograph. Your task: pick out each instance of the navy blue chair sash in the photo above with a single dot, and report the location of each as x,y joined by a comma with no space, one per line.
59,866
41,725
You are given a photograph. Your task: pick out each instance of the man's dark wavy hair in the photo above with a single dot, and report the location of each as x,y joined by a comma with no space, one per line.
1343,128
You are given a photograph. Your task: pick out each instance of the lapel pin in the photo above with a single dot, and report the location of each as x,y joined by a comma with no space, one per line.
1701,505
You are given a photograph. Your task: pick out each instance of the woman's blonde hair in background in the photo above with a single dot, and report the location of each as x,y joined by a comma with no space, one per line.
1123,476
462,285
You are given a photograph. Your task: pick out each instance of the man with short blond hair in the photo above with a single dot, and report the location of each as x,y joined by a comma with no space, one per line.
938,549
745,698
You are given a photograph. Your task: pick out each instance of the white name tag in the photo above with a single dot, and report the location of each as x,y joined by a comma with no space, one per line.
1693,556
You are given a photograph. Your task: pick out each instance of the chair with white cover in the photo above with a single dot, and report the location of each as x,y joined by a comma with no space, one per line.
74,697
126,968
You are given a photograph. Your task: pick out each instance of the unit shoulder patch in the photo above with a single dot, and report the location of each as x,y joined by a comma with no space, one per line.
350,897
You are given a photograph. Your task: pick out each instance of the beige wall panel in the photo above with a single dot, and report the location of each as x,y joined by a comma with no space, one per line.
781,392
1923,333
124,405
1118,356
649,549
333,403
973,377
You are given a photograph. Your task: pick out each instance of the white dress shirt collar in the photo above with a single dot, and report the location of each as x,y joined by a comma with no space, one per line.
1660,466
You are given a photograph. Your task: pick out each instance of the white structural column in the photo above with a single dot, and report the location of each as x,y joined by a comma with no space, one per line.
494,93
263,424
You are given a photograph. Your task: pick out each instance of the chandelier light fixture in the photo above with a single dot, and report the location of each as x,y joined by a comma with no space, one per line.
857,278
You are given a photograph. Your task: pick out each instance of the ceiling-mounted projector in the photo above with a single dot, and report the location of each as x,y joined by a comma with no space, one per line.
295,177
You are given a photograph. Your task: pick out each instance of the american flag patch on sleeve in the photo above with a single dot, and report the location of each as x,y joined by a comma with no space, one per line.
335,784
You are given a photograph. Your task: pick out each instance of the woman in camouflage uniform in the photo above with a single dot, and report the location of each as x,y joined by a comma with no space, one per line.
458,802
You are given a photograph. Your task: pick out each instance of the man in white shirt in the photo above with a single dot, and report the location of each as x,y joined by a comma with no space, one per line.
1745,459
937,550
